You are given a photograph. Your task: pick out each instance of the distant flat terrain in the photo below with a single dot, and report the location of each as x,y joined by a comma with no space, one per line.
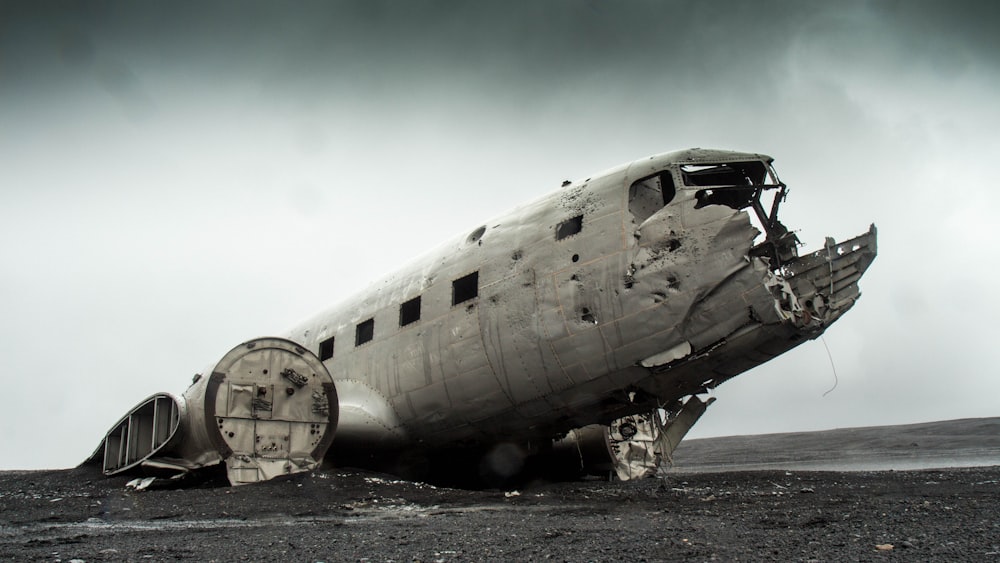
968,442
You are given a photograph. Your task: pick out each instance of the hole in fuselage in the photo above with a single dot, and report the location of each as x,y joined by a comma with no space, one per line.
569,227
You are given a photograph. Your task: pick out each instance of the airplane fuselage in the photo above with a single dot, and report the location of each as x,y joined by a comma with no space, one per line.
590,303
628,292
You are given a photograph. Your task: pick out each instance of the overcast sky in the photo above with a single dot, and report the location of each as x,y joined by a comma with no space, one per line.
176,179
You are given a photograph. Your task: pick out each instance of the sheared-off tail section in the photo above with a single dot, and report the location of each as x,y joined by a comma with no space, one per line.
268,408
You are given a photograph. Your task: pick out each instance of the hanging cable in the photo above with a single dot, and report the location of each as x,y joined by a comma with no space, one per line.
836,380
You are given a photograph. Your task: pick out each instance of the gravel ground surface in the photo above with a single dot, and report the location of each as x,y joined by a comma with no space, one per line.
341,515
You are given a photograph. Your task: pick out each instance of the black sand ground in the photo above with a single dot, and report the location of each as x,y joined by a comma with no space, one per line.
340,515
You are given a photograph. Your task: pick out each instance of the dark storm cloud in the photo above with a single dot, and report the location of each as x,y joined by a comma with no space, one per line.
647,52
537,47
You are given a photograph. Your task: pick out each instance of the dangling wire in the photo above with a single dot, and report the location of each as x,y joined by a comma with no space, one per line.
836,380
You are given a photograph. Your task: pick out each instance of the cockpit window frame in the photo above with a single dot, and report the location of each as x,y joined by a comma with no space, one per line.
690,172
737,194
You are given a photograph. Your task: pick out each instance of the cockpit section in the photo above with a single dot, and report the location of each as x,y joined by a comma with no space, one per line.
750,184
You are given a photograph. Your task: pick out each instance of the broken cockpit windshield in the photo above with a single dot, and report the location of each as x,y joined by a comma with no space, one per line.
733,184
740,185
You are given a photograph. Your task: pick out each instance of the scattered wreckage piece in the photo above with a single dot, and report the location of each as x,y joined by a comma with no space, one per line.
646,285
268,408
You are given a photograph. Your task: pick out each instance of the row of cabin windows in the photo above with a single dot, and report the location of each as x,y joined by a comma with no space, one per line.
463,289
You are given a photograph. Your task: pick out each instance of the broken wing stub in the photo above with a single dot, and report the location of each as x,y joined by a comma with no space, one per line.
151,427
268,408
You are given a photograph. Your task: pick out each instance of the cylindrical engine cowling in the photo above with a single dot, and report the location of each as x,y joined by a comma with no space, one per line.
583,451
268,408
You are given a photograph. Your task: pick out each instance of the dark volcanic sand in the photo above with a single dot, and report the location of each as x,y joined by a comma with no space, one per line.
725,514
336,515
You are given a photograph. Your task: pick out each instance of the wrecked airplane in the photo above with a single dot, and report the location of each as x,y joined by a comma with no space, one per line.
539,335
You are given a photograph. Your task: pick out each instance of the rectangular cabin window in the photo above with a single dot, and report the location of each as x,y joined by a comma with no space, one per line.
569,227
365,332
409,312
465,288
326,349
